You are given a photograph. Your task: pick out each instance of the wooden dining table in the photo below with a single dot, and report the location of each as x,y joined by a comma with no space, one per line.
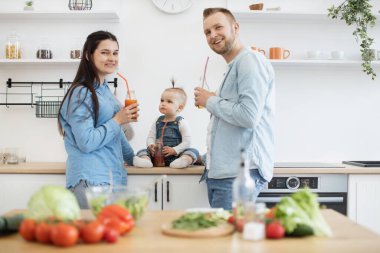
147,237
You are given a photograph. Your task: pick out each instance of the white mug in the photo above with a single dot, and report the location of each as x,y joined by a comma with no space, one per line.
337,55
314,54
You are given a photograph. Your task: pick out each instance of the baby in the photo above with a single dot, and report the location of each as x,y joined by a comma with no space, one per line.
176,137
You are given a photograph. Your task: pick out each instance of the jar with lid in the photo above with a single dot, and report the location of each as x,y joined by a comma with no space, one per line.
76,49
44,50
12,47
254,226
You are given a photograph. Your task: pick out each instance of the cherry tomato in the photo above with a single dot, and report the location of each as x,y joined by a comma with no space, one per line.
111,235
239,225
64,235
42,232
92,232
275,230
27,229
271,214
231,220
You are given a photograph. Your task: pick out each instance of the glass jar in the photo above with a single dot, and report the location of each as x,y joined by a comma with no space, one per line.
158,157
44,50
12,47
243,203
254,226
76,50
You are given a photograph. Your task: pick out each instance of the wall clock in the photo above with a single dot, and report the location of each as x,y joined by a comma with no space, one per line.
173,6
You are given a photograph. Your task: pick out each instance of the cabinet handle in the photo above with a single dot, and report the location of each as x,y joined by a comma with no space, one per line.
167,191
155,192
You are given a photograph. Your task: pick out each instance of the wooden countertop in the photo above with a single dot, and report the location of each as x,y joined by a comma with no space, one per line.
147,237
59,168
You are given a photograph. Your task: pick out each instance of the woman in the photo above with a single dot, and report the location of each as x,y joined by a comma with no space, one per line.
90,120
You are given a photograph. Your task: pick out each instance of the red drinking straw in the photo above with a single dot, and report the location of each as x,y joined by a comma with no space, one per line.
126,84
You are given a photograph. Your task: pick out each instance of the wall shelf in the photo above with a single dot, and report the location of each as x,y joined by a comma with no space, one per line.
66,16
275,16
317,63
38,61
320,64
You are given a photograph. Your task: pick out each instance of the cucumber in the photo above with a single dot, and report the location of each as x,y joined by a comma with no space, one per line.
301,230
10,224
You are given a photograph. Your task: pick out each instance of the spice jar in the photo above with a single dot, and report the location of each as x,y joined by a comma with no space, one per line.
158,157
12,47
44,50
76,51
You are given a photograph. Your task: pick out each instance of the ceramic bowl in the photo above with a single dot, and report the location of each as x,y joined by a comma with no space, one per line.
256,7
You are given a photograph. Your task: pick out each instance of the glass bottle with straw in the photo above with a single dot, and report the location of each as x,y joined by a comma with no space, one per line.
158,156
131,96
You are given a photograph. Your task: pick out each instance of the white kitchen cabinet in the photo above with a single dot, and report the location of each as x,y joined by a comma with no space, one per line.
16,189
174,192
363,200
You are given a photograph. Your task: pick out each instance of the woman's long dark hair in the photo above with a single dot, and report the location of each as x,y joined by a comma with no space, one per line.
87,73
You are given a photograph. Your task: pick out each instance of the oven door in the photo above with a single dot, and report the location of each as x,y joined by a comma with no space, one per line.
334,200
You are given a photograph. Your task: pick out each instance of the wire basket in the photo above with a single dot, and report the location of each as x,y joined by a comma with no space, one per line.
47,109
80,4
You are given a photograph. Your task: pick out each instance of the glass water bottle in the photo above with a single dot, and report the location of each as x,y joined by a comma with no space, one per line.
243,204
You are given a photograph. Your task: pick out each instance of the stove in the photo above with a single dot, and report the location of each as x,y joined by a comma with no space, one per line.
363,163
330,188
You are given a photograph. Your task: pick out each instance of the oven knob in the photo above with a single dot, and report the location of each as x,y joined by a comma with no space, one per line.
292,182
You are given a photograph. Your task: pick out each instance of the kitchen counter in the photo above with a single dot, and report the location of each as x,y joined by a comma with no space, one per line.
147,237
59,168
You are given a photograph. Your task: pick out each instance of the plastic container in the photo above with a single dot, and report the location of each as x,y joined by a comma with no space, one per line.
12,47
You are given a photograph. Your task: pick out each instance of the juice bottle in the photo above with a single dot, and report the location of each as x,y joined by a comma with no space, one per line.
131,98
158,157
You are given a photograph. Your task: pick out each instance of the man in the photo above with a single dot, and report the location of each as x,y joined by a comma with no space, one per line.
242,111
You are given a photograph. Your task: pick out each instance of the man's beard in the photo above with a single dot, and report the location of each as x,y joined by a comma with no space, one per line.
229,44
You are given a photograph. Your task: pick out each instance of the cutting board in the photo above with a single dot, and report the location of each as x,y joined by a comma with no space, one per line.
221,230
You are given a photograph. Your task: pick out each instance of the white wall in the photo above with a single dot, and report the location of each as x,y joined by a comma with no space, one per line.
323,114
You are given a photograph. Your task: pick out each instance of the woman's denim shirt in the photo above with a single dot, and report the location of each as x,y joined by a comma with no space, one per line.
94,151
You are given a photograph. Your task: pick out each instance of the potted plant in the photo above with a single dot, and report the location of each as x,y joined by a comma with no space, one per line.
358,13
28,6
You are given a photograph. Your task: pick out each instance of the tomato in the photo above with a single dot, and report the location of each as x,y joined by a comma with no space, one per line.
231,220
92,232
64,235
271,214
42,232
111,235
275,230
27,229
239,225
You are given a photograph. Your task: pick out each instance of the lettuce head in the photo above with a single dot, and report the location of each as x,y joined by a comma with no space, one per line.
53,201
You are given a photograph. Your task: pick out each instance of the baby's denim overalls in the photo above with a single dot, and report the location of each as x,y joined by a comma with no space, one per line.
172,137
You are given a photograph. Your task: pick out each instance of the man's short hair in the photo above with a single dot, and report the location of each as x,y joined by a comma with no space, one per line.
210,11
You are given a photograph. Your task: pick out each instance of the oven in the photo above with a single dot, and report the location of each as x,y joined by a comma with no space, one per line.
330,188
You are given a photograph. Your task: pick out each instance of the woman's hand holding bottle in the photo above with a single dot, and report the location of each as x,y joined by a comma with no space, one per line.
127,114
